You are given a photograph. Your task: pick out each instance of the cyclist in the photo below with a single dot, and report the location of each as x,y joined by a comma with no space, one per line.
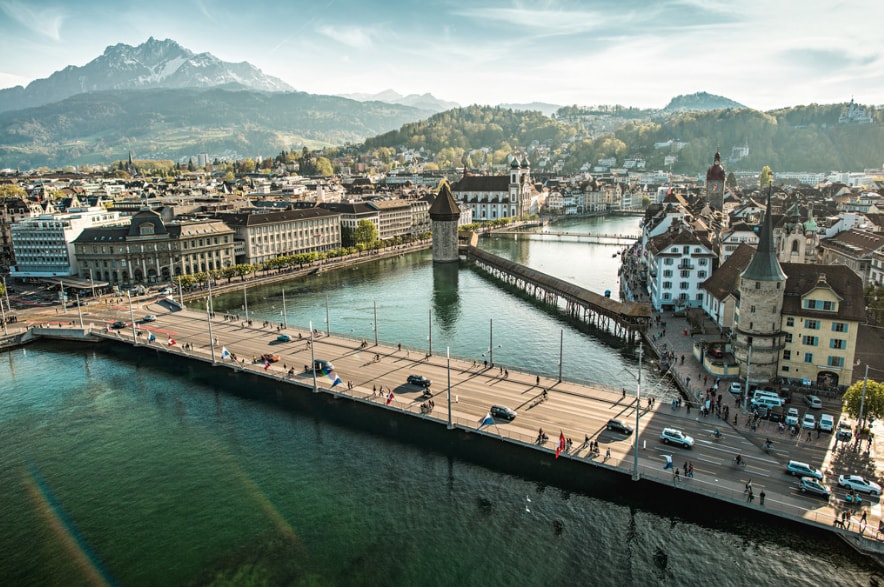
717,433
738,459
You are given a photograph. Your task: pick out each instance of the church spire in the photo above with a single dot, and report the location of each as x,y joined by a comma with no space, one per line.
764,265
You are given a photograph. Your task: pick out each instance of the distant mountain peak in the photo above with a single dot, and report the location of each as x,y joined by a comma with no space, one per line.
153,64
421,101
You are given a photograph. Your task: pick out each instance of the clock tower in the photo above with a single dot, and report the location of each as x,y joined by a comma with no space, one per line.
715,177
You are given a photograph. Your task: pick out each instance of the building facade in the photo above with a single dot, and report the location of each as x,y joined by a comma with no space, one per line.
679,261
264,236
497,196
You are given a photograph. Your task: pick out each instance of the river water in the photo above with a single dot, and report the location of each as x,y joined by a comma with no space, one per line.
141,472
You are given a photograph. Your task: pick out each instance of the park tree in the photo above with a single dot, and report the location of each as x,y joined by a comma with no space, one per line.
872,401
765,177
366,233
10,190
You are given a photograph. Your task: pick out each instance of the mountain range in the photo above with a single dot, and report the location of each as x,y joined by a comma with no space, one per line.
162,101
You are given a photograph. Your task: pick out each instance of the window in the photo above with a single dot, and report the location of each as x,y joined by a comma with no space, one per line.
837,343
812,324
808,340
667,296
788,337
787,355
701,274
667,273
667,285
667,261
684,285
828,306
702,261
752,309
808,357
836,361
839,327
685,274
757,285
790,321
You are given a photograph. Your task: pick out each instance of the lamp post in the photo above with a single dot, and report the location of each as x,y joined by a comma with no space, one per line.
375,323
79,313
561,351
285,323
312,359
245,299
430,337
327,321
638,402
448,369
209,306
491,340
862,401
6,291
746,387
211,337
64,306
3,316
132,319
91,283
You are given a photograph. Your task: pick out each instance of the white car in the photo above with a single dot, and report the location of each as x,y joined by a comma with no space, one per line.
799,469
792,417
859,483
827,422
736,388
675,436
809,422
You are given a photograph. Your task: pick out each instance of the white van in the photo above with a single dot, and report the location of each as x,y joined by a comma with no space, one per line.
766,402
827,422
759,393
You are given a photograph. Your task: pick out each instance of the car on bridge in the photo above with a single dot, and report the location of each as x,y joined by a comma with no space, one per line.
118,325
284,338
859,483
270,357
813,486
676,436
799,469
418,380
149,318
503,412
619,426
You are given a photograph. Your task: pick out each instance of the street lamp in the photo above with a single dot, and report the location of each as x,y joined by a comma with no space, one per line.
375,323
245,299
285,323
430,337
748,367
3,313
6,290
79,312
448,369
91,283
211,337
312,358
561,351
638,402
131,318
327,321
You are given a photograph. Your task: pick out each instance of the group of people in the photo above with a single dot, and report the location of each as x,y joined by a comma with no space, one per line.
427,406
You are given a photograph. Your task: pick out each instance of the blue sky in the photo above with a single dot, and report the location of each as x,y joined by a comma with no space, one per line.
764,54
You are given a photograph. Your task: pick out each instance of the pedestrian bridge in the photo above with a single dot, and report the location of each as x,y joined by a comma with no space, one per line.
623,319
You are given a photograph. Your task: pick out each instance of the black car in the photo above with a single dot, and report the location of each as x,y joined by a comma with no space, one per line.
503,412
419,380
118,325
619,426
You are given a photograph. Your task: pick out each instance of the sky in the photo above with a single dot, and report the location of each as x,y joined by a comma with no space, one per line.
763,54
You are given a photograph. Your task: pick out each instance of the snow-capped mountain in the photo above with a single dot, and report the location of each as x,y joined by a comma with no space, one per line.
153,64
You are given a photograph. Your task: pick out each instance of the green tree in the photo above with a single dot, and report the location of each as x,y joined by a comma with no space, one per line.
731,180
12,191
366,233
872,403
765,178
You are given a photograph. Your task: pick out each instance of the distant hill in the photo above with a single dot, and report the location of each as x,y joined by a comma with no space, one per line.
420,101
174,123
545,108
699,102
151,65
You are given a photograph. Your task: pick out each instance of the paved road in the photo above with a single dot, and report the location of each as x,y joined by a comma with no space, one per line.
575,410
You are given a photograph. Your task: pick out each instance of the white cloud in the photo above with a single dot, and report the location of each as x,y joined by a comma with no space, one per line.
42,21
351,36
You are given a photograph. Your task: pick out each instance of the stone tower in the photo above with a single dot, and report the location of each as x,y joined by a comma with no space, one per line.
757,339
715,177
444,215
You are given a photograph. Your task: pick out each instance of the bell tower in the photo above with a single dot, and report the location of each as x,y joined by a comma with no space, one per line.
715,177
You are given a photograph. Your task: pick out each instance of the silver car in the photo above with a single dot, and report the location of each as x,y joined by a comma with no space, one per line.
675,436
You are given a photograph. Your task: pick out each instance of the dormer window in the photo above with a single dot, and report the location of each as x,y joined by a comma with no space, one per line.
145,229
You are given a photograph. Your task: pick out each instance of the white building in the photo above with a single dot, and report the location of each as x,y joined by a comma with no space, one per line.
679,261
43,246
497,196
733,236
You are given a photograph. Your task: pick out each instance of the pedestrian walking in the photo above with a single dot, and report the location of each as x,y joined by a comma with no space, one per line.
668,464
761,497
675,476
751,496
748,487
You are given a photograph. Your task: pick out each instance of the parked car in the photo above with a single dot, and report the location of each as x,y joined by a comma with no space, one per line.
503,412
776,414
118,325
808,422
735,388
284,338
792,417
844,433
799,469
859,483
827,422
716,352
418,380
811,485
676,436
619,426
149,318
270,357
813,401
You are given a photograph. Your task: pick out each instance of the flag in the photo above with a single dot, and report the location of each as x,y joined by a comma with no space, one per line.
171,341
390,397
336,381
485,421
224,353
266,364
151,337
561,446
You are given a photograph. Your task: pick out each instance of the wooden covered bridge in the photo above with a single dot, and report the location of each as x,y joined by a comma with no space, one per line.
624,319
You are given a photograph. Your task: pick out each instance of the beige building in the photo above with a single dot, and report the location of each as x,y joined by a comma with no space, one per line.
148,250
268,235
822,310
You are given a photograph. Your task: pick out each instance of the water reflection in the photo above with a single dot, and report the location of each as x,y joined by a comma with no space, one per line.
446,301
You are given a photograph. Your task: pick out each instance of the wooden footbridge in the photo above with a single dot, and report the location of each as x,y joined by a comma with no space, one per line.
584,237
623,319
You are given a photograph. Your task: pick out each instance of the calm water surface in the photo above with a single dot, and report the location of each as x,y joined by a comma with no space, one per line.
144,472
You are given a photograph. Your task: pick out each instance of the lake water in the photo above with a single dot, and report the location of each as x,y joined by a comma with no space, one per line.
128,469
